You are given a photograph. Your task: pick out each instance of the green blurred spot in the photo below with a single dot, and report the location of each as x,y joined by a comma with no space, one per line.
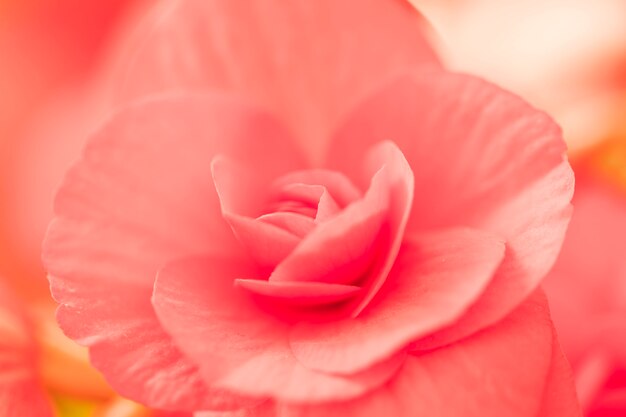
71,407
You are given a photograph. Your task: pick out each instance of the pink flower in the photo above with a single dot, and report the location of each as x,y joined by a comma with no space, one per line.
588,297
21,394
319,221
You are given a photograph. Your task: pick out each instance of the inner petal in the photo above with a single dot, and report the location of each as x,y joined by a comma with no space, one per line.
241,196
342,190
342,249
300,293
315,250
296,223
308,199
359,245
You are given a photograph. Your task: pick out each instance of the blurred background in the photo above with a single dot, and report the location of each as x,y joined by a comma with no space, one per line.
567,57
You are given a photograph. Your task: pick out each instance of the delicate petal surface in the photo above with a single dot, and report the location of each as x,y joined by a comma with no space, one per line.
500,371
346,244
237,345
481,158
587,292
299,293
360,244
266,409
136,199
400,183
340,187
296,59
434,280
559,399
242,192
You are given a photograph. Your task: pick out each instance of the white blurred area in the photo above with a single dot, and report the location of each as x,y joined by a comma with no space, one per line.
567,57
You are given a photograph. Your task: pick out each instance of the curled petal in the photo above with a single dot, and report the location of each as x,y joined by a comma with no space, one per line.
342,190
300,293
359,245
503,370
242,193
294,223
435,279
135,200
482,158
237,345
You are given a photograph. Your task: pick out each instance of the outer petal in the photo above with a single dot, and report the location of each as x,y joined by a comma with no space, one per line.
499,372
587,295
586,288
482,158
559,398
296,59
21,394
434,280
237,345
266,409
140,196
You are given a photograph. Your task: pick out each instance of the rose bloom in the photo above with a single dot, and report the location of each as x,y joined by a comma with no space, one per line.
588,297
295,211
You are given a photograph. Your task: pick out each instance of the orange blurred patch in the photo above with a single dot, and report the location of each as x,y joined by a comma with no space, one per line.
608,158
121,407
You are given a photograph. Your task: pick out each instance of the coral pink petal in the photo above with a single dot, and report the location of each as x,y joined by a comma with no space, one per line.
296,59
342,190
529,256
267,243
21,393
242,192
266,409
435,278
299,293
310,196
341,250
236,344
364,237
295,223
327,208
498,372
584,291
400,184
136,350
131,204
559,398
482,158
611,404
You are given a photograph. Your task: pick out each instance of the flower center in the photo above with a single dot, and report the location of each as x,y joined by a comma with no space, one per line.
300,201
317,239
